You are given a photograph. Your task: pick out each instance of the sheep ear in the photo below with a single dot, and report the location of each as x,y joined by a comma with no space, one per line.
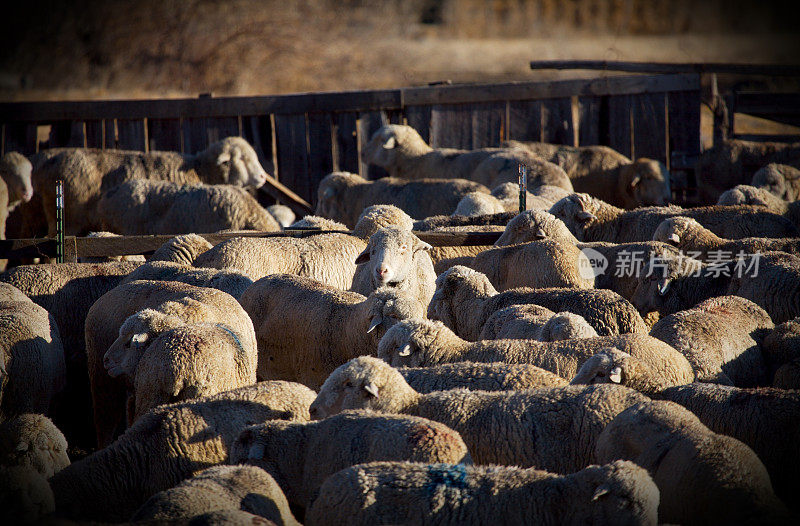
636,180
371,389
663,286
539,234
22,446
363,257
223,158
583,216
674,238
405,351
377,320
140,338
616,375
390,143
600,491
421,245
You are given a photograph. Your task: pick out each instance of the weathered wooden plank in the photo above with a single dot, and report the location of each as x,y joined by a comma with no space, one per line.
257,130
525,120
419,118
67,134
95,134
369,123
451,126
776,106
320,148
670,67
557,125
649,115
164,135
346,145
19,137
217,128
589,121
131,134
290,131
342,101
194,134
489,127
619,133
110,133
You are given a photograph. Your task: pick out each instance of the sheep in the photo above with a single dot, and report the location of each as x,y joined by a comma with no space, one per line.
105,259
787,376
375,217
321,223
167,445
552,428
781,180
33,441
750,195
342,196
32,362
765,419
181,249
538,264
395,258
591,219
773,283
611,365
185,362
127,319
607,174
326,327
734,162
504,198
781,345
15,188
535,225
418,343
476,376
692,238
229,280
532,322
320,449
415,493
88,173
703,477
25,496
401,151
142,206
464,300
282,214
436,223
220,488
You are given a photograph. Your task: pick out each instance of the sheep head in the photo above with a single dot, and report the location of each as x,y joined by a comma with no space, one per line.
645,182
135,336
577,211
454,287
15,170
382,148
331,194
390,254
609,366
232,161
362,383
620,487
676,229
375,217
405,344
387,306
772,178
566,326
656,278
535,225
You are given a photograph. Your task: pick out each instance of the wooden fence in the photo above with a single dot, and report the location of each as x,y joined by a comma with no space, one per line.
301,138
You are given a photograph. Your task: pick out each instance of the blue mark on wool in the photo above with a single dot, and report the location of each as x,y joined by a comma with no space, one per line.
233,334
451,476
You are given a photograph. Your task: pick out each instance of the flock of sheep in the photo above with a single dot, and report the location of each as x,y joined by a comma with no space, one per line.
612,359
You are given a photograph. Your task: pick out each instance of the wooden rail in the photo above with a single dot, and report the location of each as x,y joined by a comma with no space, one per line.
671,67
75,247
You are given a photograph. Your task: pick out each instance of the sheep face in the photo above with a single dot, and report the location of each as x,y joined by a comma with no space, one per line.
535,225
647,182
389,306
674,229
576,211
235,162
15,169
361,383
566,326
135,336
390,253
404,344
381,150
331,194
605,367
654,290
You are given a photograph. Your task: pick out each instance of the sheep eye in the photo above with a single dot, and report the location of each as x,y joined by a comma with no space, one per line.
349,385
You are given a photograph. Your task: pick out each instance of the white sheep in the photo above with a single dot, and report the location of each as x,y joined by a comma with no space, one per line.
613,366
141,206
15,188
535,427
282,214
181,249
504,198
781,345
478,376
781,180
532,322
319,449
305,329
413,493
32,441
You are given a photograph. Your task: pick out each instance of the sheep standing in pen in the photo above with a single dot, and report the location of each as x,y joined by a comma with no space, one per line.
591,219
414,493
181,249
167,445
504,198
607,174
342,196
321,223
781,346
750,195
320,449
703,477
15,188
465,299
774,285
551,428
766,419
415,343
32,441
692,238
88,173
141,206
612,366
282,214
232,281
477,376
781,180
220,488
532,322
326,327
436,223
32,363
127,319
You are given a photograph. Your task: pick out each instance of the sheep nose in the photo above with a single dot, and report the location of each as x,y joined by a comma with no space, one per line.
382,271
314,413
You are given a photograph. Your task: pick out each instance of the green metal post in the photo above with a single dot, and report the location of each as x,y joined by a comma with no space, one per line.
60,221
523,188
